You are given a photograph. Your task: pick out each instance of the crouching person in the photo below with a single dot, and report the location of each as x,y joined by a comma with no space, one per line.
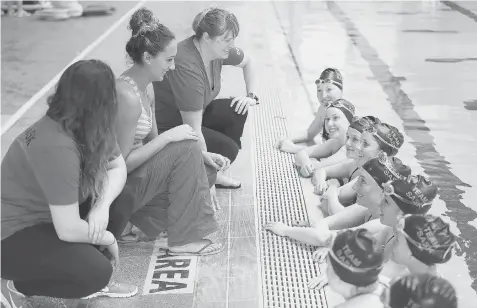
66,163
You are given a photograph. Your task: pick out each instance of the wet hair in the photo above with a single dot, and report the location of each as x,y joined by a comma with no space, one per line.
85,105
148,35
423,291
215,22
384,169
388,137
430,239
414,193
356,257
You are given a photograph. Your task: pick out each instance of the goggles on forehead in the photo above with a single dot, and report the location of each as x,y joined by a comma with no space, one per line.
399,228
391,136
327,80
337,104
332,255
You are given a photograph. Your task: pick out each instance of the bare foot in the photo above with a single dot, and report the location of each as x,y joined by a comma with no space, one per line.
226,182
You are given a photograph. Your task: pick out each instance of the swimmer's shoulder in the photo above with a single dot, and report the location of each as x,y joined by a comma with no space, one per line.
364,300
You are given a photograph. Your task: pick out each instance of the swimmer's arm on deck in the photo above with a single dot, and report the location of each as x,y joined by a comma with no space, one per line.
335,171
327,149
129,111
346,192
334,205
307,136
319,235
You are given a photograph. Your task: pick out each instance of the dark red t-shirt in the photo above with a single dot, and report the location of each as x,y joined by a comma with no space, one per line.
187,87
41,168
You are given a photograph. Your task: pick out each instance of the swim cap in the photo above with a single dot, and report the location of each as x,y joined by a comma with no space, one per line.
363,123
356,257
429,238
345,106
388,137
331,75
384,169
413,195
422,291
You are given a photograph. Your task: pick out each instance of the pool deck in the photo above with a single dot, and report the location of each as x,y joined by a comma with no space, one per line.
416,58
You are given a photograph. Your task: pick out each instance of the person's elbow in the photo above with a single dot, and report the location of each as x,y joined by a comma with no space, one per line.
119,168
67,232
66,221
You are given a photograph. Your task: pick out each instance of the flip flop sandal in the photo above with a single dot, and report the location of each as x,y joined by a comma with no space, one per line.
198,253
301,224
220,186
132,238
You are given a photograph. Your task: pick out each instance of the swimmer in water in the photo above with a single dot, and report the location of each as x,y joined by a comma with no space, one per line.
422,242
366,138
420,290
354,264
338,117
369,189
329,88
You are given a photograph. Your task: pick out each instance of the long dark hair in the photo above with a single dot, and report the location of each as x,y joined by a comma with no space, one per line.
85,105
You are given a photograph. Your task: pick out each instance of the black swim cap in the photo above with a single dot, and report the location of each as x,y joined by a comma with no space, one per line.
429,238
363,123
413,195
422,291
356,257
388,137
384,169
331,75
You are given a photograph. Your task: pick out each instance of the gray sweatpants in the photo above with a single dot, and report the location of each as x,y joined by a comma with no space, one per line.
171,192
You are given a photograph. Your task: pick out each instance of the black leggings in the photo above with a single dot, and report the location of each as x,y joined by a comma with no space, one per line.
39,263
222,128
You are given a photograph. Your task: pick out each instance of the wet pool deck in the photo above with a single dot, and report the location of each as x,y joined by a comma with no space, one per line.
418,59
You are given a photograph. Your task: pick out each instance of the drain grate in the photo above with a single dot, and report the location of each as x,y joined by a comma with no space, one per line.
286,266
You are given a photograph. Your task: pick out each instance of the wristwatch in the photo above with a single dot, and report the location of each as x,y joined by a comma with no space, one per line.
253,96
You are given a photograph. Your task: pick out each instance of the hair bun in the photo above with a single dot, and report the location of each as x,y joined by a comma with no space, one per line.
141,18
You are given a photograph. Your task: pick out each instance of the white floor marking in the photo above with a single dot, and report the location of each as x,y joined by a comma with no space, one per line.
35,98
169,274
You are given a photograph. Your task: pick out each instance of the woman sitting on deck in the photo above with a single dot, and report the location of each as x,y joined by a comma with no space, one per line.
339,115
167,187
329,87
